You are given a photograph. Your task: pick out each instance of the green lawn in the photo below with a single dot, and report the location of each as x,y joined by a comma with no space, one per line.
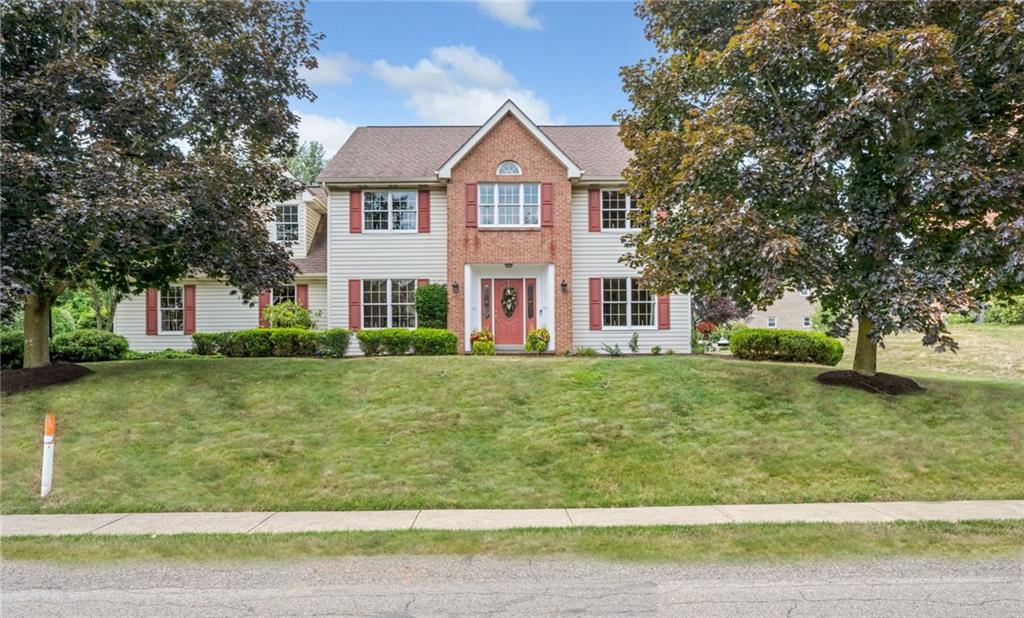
725,543
986,351
305,434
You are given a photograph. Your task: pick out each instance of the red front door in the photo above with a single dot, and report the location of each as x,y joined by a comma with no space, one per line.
508,311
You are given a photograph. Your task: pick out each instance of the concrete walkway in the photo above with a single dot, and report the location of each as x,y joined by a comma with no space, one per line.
495,519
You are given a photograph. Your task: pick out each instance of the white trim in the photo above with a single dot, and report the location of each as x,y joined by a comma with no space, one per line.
629,307
467,312
629,210
160,312
362,208
445,172
497,204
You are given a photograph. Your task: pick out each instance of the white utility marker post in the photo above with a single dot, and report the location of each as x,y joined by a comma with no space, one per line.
49,427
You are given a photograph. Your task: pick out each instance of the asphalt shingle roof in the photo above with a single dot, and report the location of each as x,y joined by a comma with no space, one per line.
417,152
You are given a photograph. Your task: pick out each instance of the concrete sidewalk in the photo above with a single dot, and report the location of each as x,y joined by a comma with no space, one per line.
495,519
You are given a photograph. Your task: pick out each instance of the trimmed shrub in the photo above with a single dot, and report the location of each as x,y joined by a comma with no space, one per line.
791,346
432,305
537,340
293,342
289,315
246,343
433,342
1006,311
204,344
391,341
483,348
961,318
88,345
167,353
12,348
334,342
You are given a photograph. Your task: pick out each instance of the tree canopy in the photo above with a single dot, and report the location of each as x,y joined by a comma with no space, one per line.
308,162
142,142
870,152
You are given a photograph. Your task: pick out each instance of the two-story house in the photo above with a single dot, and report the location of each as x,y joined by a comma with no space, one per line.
523,223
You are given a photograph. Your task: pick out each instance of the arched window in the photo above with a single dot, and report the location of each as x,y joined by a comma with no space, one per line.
509,168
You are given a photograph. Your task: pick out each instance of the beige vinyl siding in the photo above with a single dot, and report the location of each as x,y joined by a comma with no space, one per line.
312,219
596,254
789,312
318,300
380,255
217,310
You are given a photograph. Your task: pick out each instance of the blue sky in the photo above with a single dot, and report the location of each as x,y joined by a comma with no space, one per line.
456,62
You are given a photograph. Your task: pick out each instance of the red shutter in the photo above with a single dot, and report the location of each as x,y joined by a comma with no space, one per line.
547,211
594,210
471,205
662,213
420,282
663,313
423,212
355,212
355,305
151,313
190,309
264,301
302,295
595,303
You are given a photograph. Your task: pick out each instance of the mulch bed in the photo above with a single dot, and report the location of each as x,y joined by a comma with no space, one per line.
881,383
17,380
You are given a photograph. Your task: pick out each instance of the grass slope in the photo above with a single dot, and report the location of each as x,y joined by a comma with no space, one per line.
304,434
725,543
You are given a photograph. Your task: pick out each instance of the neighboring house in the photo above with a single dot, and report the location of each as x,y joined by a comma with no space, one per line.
792,311
523,223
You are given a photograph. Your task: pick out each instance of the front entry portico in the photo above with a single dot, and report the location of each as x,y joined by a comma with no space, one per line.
509,300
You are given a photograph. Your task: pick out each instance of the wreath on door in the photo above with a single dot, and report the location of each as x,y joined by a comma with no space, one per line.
508,301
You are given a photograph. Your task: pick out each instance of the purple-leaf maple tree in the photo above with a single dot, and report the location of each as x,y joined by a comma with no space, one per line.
143,142
872,152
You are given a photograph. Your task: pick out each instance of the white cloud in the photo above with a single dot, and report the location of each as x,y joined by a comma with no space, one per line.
515,13
335,68
458,85
331,132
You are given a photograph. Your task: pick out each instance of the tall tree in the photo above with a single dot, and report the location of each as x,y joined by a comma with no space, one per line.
143,141
868,151
308,162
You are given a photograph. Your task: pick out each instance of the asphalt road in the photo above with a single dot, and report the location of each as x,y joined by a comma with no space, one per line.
431,586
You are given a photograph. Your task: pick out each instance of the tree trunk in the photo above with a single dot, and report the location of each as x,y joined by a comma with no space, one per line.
37,331
866,356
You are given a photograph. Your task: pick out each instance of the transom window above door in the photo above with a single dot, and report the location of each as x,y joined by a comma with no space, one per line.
389,211
509,168
508,204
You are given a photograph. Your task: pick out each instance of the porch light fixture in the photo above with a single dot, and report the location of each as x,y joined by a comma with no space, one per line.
565,286
509,264
455,287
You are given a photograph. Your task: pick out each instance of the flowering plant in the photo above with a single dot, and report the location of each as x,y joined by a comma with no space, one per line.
481,335
705,327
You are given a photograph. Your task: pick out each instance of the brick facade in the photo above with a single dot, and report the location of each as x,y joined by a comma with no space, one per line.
510,140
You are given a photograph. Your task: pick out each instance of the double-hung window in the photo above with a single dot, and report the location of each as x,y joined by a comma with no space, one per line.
287,223
389,303
283,294
625,304
509,204
616,208
172,310
389,211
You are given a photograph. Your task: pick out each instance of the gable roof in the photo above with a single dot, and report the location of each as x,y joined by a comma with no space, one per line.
417,153
508,109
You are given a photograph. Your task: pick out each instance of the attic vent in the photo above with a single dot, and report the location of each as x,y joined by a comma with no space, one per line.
509,168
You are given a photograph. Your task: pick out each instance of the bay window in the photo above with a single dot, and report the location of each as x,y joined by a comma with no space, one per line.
389,303
389,211
509,204
625,304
